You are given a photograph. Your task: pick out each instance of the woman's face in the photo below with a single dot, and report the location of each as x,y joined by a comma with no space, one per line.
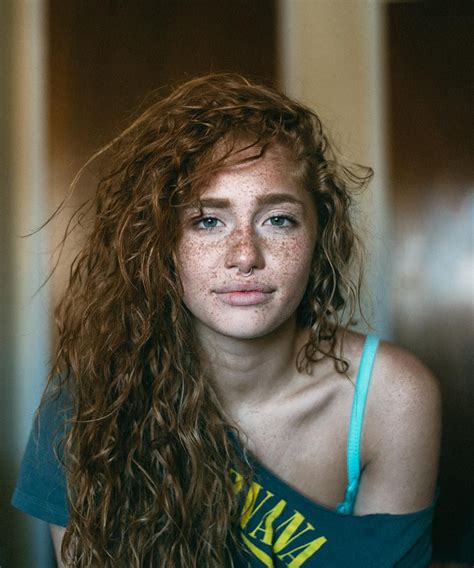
255,217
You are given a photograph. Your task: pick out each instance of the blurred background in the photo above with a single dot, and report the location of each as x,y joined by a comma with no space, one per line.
392,81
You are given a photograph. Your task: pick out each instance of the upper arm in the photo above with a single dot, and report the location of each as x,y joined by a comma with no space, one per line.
401,437
57,534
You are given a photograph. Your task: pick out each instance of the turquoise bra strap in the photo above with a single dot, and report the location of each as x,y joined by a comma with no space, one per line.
356,423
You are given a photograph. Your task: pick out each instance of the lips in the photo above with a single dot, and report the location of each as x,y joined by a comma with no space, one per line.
244,293
244,287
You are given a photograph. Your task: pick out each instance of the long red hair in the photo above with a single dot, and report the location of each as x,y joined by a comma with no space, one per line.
147,450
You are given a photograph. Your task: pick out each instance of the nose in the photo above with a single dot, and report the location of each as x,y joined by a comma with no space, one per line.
244,252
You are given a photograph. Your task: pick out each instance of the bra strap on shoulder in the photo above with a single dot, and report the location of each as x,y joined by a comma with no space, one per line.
357,421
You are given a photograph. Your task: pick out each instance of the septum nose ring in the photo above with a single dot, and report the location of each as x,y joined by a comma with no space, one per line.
245,274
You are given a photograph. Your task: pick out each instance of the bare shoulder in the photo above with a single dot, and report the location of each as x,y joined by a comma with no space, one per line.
402,432
400,377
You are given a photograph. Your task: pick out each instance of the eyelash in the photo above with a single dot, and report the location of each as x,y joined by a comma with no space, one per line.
285,217
197,222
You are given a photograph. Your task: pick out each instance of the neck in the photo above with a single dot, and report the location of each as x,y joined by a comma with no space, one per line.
249,372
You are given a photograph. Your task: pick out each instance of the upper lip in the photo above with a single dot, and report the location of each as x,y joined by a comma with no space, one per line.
244,287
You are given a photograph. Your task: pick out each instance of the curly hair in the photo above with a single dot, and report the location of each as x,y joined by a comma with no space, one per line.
147,449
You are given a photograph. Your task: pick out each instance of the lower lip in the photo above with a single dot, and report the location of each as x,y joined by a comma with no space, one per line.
250,298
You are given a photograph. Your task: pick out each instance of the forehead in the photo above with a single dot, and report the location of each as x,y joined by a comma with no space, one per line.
255,171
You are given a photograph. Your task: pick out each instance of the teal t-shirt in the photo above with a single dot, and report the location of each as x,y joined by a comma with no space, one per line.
283,528
280,527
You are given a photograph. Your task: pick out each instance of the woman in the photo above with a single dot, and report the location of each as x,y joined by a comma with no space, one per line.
207,392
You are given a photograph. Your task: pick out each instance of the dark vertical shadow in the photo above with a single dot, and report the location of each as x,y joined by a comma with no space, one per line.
431,179
9,528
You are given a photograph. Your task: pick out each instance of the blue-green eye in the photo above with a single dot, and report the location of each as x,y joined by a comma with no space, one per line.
207,223
281,221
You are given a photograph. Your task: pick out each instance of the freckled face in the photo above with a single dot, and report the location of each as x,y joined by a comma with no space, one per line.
255,217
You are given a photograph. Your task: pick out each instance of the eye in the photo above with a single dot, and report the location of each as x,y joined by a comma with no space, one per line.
281,221
207,223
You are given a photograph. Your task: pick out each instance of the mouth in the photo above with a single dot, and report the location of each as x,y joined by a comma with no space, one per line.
244,294
244,287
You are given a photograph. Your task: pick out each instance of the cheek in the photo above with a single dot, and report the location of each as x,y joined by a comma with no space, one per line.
195,260
293,256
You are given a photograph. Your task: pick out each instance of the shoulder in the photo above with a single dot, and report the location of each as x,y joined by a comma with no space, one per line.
404,390
400,382
402,431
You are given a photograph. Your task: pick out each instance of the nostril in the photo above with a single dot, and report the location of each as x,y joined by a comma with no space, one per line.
243,252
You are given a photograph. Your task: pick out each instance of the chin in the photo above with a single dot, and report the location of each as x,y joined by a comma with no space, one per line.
246,335
246,329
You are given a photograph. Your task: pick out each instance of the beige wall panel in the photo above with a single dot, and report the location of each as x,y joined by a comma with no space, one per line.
331,59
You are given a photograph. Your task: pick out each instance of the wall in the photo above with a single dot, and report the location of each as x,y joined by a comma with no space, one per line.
331,58
24,308
431,187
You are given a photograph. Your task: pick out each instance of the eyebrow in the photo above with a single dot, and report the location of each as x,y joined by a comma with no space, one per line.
270,199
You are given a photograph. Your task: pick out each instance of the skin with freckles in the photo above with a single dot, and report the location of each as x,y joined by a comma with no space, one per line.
256,216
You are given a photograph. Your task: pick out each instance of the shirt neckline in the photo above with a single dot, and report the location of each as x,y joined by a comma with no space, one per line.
306,501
